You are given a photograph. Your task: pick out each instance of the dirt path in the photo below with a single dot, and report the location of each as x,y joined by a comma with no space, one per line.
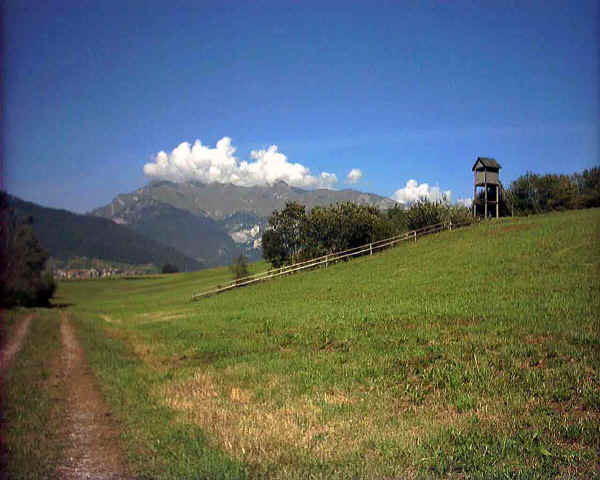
13,345
92,450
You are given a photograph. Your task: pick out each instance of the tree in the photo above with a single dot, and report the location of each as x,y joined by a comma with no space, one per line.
293,235
534,193
397,217
341,227
273,249
559,192
239,267
282,239
423,213
459,214
588,188
318,233
23,280
355,225
170,268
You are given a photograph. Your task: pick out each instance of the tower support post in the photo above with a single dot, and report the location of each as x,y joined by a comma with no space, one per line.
497,201
485,201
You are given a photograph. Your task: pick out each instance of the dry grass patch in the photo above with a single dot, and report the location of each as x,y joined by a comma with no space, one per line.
240,395
109,319
239,370
251,430
537,339
162,316
337,398
261,433
495,414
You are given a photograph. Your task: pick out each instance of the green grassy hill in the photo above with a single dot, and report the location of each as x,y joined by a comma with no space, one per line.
471,354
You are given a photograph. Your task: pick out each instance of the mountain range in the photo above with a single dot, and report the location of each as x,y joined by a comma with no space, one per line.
220,201
191,224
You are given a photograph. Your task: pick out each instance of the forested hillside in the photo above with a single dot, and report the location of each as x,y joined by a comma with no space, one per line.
64,235
196,236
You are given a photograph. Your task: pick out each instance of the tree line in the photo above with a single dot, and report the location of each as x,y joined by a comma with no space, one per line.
532,193
295,234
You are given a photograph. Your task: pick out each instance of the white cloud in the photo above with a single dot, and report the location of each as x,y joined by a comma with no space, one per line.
465,202
354,176
219,164
413,192
327,180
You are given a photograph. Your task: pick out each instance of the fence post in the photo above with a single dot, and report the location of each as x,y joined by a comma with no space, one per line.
370,249
326,262
450,227
415,235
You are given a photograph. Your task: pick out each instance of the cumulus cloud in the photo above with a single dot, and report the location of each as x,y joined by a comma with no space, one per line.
219,164
413,192
465,202
354,176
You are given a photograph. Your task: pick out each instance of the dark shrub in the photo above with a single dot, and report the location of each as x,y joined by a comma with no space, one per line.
169,268
239,267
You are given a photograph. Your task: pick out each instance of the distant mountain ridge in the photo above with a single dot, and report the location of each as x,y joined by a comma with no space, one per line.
219,201
66,235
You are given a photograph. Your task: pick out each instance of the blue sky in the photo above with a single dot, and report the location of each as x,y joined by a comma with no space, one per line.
93,91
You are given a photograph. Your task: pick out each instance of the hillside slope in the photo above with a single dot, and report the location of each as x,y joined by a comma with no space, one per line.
66,235
470,354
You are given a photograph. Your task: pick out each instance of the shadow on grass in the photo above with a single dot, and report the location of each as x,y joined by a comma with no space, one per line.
59,305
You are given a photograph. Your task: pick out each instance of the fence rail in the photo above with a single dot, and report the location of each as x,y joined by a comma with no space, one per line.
331,258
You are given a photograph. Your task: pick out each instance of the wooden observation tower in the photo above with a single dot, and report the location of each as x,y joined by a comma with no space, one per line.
487,175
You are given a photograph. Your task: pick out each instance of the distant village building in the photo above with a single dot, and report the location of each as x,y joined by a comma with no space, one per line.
87,273
60,274
487,176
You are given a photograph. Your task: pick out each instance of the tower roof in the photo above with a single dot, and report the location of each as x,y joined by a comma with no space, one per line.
490,163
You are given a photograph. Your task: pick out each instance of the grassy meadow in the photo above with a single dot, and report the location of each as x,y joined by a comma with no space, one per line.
470,354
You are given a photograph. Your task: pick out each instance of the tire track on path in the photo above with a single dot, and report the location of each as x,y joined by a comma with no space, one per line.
92,437
13,345
8,352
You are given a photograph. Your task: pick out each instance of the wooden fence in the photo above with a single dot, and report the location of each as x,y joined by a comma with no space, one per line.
331,258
